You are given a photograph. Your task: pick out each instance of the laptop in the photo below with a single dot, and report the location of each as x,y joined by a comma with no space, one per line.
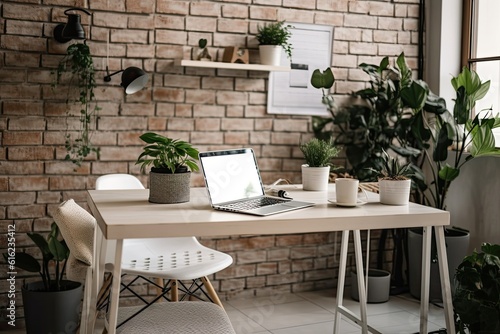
233,183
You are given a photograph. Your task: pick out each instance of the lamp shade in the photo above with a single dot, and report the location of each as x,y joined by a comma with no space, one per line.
73,29
134,79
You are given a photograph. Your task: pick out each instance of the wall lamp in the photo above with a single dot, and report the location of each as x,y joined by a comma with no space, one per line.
64,33
133,79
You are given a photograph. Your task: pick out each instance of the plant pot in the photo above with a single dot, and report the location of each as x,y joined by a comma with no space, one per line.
270,54
167,188
394,192
457,244
379,286
52,311
315,178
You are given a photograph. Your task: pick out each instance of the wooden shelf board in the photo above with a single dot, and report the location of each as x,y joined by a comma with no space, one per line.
230,66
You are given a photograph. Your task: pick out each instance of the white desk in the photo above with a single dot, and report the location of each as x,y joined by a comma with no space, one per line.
123,214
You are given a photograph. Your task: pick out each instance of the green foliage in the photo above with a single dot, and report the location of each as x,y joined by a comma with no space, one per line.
403,115
476,299
319,153
53,250
167,153
202,43
275,34
392,169
79,64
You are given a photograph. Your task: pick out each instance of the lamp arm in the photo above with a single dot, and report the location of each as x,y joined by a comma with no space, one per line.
108,76
76,8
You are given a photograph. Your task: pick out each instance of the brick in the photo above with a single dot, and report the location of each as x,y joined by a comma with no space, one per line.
122,123
290,125
130,138
263,13
26,167
143,6
233,25
119,154
180,124
30,153
235,11
225,39
45,197
17,198
333,5
65,168
237,98
363,48
235,111
237,124
302,265
256,85
140,51
205,9
26,12
284,278
236,138
208,111
185,81
260,137
103,167
348,34
25,92
111,20
245,257
16,59
217,83
381,9
25,211
22,43
201,24
28,183
285,138
390,24
360,21
170,37
168,94
11,138
173,7
199,96
207,124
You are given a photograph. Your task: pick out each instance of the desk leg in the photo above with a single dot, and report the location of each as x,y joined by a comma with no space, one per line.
341,280
115,288
358,254
425,279
445,279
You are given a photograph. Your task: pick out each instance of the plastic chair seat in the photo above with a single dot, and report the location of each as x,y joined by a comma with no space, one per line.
173,258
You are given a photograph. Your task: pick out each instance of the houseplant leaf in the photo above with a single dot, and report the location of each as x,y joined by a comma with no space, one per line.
324,79
26,262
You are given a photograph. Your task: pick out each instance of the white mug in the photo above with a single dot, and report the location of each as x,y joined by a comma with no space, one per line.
346,190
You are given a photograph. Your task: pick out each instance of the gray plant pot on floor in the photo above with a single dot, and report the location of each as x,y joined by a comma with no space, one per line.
379,286
52,311
457,244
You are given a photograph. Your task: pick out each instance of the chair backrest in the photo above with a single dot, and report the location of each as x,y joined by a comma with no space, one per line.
118,181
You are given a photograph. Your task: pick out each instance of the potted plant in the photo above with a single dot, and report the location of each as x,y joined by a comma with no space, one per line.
273,37
51,305
79,67
316,171
394,181
172,161
476,298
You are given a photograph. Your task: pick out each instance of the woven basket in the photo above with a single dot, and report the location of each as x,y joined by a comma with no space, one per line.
169,188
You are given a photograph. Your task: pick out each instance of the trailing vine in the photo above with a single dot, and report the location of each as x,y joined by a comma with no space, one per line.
80,66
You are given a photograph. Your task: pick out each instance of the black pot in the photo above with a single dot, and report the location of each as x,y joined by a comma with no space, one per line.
457,244
52,312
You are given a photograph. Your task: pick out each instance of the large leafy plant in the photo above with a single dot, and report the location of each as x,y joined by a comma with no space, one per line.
377,120
276,33
53,250
170,155
476,299
79,65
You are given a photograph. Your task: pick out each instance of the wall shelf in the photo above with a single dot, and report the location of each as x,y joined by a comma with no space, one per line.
230,66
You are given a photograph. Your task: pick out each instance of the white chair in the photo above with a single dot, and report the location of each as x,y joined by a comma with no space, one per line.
172,260
77,226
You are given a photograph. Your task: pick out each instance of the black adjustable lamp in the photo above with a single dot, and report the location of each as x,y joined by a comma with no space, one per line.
133,79
64,33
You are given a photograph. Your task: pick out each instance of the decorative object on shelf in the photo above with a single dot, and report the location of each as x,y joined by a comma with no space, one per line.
172,161
394,181
318,155
79,66
273,37
203,54
73,29
234,54
477,293
51,305
133,78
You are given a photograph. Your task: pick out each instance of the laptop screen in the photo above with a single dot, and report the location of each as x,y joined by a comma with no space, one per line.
231,175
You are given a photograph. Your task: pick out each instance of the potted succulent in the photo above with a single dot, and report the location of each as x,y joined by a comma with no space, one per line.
476,298
273,37
51,305
79,67
394,181
316,171
172,161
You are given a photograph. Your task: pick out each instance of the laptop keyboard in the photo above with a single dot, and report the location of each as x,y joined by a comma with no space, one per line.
254,203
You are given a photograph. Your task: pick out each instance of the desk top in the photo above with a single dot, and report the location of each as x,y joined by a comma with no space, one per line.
123,214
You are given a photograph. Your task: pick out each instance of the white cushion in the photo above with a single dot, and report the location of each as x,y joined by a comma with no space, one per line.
77,227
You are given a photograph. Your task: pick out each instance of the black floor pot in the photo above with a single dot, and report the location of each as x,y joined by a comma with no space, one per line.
52,312
457,244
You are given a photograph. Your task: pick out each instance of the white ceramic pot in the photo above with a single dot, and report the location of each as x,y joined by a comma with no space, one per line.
270,54
315,178
394,192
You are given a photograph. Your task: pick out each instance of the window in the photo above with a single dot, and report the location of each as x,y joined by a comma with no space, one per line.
481,50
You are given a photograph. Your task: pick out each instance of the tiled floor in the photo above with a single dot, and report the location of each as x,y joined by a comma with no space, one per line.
312,312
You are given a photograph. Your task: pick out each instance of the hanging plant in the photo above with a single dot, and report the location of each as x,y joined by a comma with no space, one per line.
79,65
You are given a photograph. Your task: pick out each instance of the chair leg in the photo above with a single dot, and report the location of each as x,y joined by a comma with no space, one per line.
159,282
174,296
211,291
